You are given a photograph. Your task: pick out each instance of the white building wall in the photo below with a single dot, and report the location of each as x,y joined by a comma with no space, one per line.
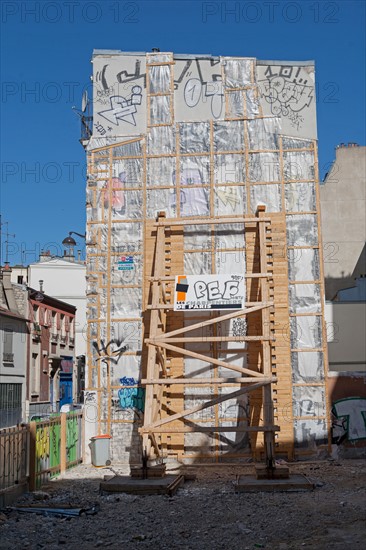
65,281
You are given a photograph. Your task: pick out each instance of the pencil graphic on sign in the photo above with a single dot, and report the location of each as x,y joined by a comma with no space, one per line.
181,288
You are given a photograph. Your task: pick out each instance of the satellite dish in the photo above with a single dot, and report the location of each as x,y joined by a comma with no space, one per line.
84,101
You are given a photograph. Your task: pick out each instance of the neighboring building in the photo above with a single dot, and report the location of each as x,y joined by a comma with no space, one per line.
13,353
343,214
51,363
62,278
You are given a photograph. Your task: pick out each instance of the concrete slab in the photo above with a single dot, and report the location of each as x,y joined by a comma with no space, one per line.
295,482
167,485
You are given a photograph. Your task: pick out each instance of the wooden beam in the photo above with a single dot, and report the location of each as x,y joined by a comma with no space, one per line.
206,405
208,380
211,429
209,221
206,359
203,339
219,319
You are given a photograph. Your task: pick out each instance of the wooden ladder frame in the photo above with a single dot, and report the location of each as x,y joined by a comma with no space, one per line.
159,341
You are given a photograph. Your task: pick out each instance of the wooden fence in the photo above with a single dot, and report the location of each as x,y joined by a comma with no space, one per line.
32,454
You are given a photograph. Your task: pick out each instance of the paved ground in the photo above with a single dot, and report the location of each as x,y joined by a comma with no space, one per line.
204,514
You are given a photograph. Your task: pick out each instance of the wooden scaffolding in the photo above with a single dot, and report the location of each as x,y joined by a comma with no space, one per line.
162,343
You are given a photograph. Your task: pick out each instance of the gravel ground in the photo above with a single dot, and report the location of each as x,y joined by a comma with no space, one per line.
205,513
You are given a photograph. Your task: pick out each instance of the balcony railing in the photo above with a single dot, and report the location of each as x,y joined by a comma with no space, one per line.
8,357
71,341
54,337
63,339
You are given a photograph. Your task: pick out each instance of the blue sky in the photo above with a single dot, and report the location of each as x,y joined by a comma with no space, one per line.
45,64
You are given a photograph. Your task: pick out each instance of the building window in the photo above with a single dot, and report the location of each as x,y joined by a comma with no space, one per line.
20,279
35,314
10,396
10,404
8,355
35,375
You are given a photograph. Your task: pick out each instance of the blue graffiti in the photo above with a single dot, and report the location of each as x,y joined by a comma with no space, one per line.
131,397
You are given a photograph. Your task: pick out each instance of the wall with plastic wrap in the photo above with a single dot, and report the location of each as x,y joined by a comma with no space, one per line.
200,137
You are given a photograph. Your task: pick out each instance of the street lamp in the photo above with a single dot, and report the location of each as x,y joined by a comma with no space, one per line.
70,243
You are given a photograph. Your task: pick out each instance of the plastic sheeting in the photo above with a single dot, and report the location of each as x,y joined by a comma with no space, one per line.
159,79
303,264
229,169
230,262
264,167
128,172
161,199
304,298
126,237
194,137
159,58
310,433
293,143
127,273
228,136
197,395
131,149
302,230
235,104
300,197
229,236
161,140
230,201
269,195
263,133
252,103
127,333
306,332
194,202
126,205
160,171
126,302
238,72
197,263
298,166
307,367
308,401
125,367
160,109
196,237
194,170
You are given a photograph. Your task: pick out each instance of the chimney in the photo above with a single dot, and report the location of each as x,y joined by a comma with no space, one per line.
41,285
79,255
8,288
44,255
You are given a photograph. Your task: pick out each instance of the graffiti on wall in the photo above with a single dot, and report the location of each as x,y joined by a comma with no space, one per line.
131,396
349,420
111,351
198,83
119,94
288,92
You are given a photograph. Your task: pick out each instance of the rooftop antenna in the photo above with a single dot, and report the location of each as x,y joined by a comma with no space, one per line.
7,242
7,234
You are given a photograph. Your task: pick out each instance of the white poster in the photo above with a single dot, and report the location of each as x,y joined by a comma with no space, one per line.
209,292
